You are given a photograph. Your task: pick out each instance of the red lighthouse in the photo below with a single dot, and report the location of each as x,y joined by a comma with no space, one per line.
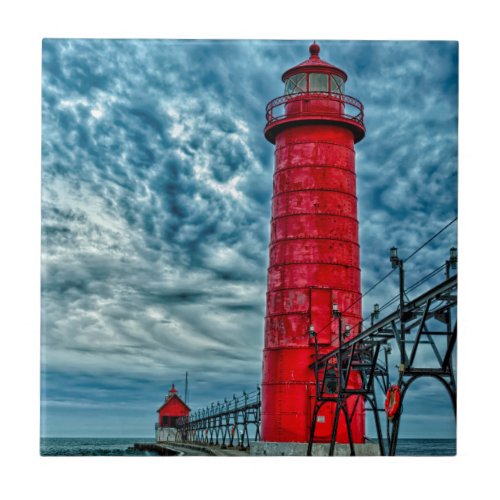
170,411
314,251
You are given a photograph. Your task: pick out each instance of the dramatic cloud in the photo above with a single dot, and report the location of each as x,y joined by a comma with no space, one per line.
156,198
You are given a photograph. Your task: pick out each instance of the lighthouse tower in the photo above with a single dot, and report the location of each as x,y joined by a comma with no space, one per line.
314,250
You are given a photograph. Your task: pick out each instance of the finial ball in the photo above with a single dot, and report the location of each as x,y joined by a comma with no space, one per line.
314,49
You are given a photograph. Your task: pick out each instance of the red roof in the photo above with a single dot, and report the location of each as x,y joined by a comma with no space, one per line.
314,63
170,399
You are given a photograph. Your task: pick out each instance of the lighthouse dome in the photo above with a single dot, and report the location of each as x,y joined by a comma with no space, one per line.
314,75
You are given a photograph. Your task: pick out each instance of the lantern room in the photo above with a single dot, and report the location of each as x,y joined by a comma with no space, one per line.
172,409
314,75
314,94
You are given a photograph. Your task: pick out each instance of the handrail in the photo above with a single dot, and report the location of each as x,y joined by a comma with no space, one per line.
445,286
222,422
353,104
242,402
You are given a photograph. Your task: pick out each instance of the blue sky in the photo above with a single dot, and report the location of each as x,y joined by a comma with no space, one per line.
156,193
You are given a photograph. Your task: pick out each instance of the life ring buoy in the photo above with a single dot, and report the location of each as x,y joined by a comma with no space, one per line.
232,431
392,401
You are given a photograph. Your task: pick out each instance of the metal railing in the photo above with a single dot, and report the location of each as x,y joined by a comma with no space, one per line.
426,325
226,423
347,107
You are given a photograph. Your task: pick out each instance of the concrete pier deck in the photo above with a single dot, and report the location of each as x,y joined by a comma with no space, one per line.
261,448
171,448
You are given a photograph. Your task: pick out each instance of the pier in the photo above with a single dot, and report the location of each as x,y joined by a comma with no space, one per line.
192,450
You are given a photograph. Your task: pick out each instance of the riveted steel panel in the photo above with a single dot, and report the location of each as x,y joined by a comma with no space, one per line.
313,202
288,301
315,134
285,412
289,364
303,275
310,154
314,177
315,250
314,226
288,330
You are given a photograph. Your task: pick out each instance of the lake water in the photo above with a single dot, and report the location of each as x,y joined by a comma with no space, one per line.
122,447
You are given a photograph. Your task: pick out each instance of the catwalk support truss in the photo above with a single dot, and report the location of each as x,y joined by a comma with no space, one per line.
225,424
424,333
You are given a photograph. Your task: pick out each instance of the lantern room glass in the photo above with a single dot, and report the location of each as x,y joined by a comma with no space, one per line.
296,84
336,84
314,82
318,82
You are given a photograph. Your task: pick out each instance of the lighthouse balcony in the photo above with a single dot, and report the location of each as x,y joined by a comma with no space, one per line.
314,107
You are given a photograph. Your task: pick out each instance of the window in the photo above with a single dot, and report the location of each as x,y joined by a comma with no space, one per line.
336,84
296,84
318,82
167,421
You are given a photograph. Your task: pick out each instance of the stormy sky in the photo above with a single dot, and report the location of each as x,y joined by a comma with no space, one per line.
156,196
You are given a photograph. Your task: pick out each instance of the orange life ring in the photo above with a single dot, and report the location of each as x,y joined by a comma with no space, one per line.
392,401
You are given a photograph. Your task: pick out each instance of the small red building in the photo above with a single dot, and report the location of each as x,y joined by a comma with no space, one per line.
172,409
